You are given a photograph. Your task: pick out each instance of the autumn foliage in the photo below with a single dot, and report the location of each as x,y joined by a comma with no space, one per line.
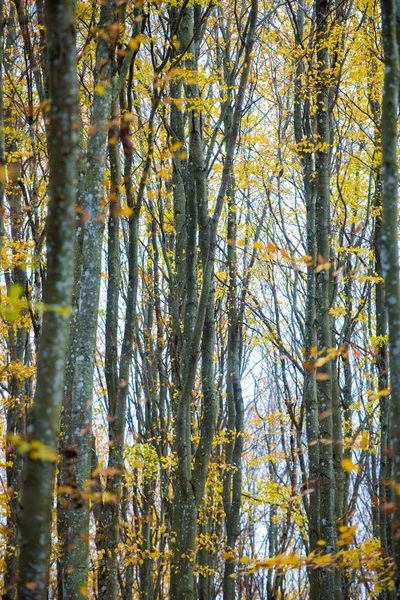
200,304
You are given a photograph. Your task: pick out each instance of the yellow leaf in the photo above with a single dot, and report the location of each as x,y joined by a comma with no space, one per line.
110,498
43,453
321,361
110,471
100,89
293,560
64,310
135,42
323,560
349,466
176,146
373,396
323,267
258,246
124,211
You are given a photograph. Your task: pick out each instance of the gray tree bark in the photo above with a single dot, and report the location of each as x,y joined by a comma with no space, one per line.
389,247
76,441
37,499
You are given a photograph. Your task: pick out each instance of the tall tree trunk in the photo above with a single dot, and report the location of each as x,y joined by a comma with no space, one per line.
107,527
17,338
16,422
327,523
2,147
76,442
389,247
118,374
43,428
303,134
235,405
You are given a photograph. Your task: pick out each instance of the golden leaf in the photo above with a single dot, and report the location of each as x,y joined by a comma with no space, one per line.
349,466
99,89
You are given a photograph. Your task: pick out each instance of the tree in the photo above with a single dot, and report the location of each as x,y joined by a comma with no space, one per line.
43,428
389,237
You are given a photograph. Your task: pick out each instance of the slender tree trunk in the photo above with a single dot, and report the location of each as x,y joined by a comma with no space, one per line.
76,443
389,247
382,367
118,375
17,339
235,404
382,359
16,422
322,291
303,132
37,500
2,146
108,525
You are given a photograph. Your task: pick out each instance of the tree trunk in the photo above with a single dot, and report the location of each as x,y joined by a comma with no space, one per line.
76,442
43,428
389,248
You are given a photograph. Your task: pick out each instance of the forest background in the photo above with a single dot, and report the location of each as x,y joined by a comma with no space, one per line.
200,299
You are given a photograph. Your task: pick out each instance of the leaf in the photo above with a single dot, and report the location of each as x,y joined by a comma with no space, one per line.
124,211
322,377
176,146
322,361
325,414
135,42
42,452
349,466
31,585
323,267
16,291
323,560
99,89
110,471
379,394
110,498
